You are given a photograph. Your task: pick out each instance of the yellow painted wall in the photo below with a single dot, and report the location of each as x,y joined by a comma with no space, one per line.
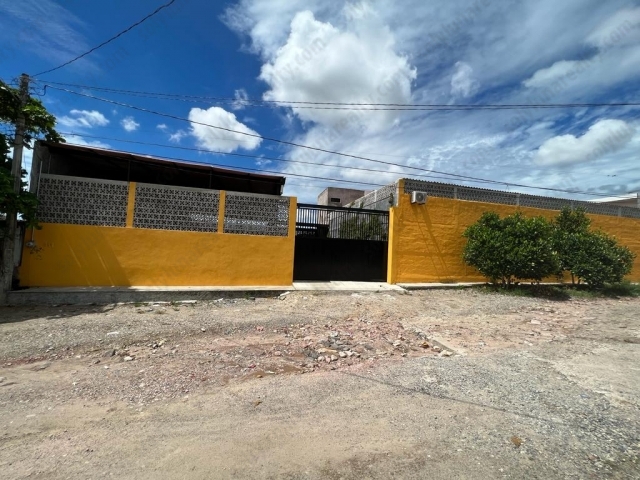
80,255
426,242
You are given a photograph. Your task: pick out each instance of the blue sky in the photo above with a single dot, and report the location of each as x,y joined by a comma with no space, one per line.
443,52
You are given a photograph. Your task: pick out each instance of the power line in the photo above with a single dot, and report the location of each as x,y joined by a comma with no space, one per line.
276,140
341,105
315,177
294,144
262,157
155,12
275,159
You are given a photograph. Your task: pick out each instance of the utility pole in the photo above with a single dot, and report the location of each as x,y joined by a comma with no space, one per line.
9,247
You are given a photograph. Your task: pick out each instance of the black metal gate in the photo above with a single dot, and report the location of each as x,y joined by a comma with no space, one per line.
335,243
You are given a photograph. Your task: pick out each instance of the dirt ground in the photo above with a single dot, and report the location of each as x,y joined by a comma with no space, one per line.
441,384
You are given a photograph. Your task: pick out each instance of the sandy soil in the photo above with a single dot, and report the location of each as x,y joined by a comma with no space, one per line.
455,384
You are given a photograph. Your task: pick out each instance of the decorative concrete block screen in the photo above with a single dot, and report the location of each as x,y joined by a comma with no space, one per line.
252,214
165,207
82,201
436,189
381,199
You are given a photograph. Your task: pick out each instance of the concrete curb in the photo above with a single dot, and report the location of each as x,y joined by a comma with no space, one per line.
108,296
97,297
438,286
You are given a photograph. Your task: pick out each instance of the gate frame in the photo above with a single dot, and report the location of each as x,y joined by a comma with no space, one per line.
317,222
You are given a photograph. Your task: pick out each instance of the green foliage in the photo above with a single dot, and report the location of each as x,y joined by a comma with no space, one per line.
591,257
359,227
511,249
518,248
39,124
564,292
570,229
622,289
600,260
572,221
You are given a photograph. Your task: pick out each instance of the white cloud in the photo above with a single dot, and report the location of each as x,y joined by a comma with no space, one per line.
617,40
129,124
463,83
221,140
177,136
556,72
621,28
46,29
83,119
504,46
322,63
240,99
78,140
162,127
604,137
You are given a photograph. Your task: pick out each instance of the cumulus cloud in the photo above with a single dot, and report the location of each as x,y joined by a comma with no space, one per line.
162,127
221,140
508,46
322,63
463,83
602,138
129,124
83,119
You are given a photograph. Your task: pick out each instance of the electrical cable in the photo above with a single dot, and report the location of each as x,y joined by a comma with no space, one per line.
260,157
155,12
299,104
331,152
222,165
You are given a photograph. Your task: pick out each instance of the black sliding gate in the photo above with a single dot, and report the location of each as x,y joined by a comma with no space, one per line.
334,243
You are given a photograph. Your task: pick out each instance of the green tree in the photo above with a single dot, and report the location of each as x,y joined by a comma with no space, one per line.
511,249
592,257
570,229
360,227
39,124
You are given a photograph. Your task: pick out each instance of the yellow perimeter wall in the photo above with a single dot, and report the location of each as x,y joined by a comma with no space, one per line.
79,255
426,243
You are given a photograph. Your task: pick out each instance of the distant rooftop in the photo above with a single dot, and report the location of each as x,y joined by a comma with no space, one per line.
622,198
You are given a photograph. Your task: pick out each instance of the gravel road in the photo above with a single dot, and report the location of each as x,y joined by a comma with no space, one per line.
446,384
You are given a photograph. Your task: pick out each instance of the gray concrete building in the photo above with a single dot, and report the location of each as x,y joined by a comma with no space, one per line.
339,197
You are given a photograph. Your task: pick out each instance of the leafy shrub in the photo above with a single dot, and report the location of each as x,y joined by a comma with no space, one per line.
511,249
600,260
592,257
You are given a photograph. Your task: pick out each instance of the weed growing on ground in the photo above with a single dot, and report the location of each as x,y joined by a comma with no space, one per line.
565,292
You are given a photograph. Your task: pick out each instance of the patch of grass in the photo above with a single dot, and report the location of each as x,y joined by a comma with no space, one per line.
548,292
565,292
624,289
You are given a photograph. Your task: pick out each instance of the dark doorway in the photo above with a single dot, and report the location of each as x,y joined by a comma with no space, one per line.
347,244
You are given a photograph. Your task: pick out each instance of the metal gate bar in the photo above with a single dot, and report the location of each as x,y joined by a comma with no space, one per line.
321,221
336,243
